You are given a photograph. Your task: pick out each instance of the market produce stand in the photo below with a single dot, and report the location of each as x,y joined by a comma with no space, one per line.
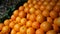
33,17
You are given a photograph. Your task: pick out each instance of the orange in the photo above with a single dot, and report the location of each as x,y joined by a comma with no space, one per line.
52,3
23,29
32,10
13,31
32,17
11,25
56,28
39,3
13,17
18,19
57,21
53,14
26,10
40,18
6,22
46,3
45,13
6,33
22,14
30,30
37,12
42,0
5,29
30,5
0,32
10,20
34,2
50,20
21,8
28,16
35,25
46,26
30,1
23,21
56,8
51,32
49,8
16,27
18,33
1,26
15,13
36,6
39,31
42,7
25,4
29,23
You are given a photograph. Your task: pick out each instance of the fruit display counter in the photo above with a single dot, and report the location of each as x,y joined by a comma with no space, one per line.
34,17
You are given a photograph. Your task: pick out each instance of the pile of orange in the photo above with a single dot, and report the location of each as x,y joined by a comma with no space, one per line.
34,17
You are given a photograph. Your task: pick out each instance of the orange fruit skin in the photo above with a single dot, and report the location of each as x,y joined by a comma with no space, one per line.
6,22
30,1
5,29
28,16
53,14
32,17
25,5
23,21
57,21
37,12
34,2
45,13
18,19
56,28
18,33
50,20
11,25
36,25
46,26
0,32
36,6
39,3
59,14
39,31
13,31
26,10
51,32
30,5
32,10
21,8
23,29
30,30
42,7
16,27
1,26
22,14
40,18
45,3
29,23
49,7
56,8
15,13
13,18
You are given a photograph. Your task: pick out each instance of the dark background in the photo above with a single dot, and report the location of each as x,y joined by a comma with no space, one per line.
8,6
